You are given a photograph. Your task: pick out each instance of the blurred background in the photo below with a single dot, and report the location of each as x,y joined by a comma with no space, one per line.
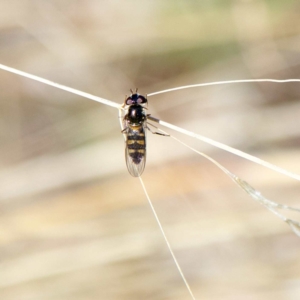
74,224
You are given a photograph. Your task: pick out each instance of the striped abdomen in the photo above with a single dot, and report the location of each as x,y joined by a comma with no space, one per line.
136,144
135,152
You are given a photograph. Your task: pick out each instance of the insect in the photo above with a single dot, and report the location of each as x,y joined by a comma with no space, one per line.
135,125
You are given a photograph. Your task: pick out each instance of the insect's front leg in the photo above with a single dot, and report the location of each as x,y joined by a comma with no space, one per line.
123,131
125,125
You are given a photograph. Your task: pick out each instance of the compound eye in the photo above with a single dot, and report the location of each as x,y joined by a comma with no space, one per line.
129,101
141,100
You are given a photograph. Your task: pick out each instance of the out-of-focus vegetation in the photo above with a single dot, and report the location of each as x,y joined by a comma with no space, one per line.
74,224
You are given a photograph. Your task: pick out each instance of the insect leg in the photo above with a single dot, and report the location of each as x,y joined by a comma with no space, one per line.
124,129
155,132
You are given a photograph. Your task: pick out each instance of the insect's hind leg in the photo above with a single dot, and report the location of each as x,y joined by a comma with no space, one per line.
155,132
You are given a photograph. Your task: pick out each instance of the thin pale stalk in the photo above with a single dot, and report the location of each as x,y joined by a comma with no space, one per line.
223,82
226,148
166,240
60,86
244,185
186,132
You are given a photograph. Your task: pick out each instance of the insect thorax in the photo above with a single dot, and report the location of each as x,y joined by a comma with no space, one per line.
136,115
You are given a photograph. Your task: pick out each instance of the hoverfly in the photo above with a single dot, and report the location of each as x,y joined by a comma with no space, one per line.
135,125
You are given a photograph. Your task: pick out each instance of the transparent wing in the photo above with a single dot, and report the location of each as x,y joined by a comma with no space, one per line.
135,151
134,169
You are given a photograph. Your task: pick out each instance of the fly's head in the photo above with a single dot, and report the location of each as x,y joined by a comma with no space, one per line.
135,99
